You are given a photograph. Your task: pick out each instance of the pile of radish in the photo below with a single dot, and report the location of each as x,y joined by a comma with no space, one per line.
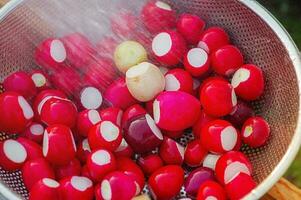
103,121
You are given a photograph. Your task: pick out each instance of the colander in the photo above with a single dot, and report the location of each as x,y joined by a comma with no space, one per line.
263,41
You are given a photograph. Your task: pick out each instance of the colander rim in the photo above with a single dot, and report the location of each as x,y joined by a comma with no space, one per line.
294,55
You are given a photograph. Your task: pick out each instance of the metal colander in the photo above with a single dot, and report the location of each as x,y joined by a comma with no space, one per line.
23,24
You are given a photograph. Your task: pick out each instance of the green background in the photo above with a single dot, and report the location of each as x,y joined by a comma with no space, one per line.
288,12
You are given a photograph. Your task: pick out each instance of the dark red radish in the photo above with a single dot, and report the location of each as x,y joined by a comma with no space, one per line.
158,16
142,134
176,110
35,170
169,48
191,27
226,60
131,112
59,147
20,118
213,38
21,83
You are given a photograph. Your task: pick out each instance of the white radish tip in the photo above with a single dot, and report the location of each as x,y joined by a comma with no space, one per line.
85,145
162,44
38,79
58,51
163,70
203,46
50,183
93,116
81,183
123,145
156,110
163,5
14,151
106,191
119,117
153,126
211,198
26,108
248,131
109,131
101,157
228,138
73,141
171,83
197,57
45,143
234,98
210,161
138,190
91,98
233,169
138,70
241,75
37,129
181,150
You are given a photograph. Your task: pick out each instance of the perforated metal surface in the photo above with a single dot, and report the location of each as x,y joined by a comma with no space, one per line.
34,20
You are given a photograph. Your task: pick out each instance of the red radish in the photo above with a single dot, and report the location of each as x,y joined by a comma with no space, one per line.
34,132
85,120
73,168
76,188
157,16
202,121
12,155
112,114
79,50
130,168
100,73
168,48
142,134
240,186
35,170
171,152
176,110
105,135
20,82
42,98
194,153
255,132
20,118
172,134
150,163
169,175
100,162
106,46
248,82
196,178
131,112
40,79
211,190
226,60
67,79
219,136
59,147
240,114
46,188
210,160
197,62
90,98
83,150
123,23
213,38
178,80
124,150
33,150
191,27
116,186
145,81
218,97
230,165
58,111
50,54
118,95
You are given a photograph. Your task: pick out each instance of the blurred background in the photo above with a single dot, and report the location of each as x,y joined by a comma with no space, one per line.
288,12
